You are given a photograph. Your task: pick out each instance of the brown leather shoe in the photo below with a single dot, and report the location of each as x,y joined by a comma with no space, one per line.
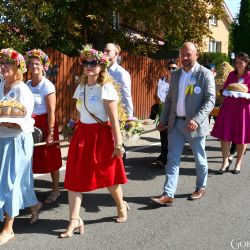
197,194
163,200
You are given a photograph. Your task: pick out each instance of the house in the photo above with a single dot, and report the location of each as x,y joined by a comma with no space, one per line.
220,33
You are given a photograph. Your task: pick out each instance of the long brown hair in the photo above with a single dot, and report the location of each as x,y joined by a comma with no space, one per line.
245,58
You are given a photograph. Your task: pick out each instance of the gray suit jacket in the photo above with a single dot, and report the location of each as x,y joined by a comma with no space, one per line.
197,105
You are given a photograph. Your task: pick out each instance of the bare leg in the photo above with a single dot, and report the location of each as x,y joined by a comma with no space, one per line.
7,233
116,193
241,148
75,200
55,193
8,224
55,181
225,148
122,206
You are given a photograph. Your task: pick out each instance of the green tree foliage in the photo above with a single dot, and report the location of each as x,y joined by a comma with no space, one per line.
216,58
66,24
240,30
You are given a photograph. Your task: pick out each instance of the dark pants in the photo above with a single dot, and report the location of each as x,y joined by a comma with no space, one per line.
164,144
232,148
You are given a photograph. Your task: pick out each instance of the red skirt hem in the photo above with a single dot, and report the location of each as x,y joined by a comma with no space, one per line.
46,159
90,165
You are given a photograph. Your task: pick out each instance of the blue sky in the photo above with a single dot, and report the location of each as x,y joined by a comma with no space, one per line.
233,6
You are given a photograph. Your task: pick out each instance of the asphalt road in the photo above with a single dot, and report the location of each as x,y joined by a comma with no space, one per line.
220,220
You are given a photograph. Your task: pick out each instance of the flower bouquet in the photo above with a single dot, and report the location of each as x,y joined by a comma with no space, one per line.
69,129
131,129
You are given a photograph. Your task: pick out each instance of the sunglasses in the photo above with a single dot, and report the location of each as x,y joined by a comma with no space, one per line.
172,68
89,64
6,64
35,65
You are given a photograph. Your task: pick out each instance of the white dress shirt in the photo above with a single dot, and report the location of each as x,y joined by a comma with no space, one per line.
184,81
122,77
162,89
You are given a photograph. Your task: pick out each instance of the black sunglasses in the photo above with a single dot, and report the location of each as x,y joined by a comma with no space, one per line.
172,68
90,64
6,63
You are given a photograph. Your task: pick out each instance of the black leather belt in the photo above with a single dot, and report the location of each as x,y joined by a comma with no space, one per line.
181,117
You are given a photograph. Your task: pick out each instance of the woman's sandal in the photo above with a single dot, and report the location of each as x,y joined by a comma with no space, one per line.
122,212
69,233
5,237
35,213
52,197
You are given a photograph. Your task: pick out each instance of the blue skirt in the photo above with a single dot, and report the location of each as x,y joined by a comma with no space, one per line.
16,177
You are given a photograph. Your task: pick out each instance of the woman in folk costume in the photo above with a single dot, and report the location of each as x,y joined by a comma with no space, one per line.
95,152
16,144
47,158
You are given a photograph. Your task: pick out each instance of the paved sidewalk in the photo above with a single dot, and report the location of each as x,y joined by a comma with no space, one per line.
219,221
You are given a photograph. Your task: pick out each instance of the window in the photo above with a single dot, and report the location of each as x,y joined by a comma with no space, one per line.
213,20
214,46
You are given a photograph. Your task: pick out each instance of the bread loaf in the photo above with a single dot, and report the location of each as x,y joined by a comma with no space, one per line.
12,109
239,87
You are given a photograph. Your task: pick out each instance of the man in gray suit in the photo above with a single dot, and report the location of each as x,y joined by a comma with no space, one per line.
190,99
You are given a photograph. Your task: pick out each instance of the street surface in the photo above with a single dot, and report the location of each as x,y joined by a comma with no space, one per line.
220,220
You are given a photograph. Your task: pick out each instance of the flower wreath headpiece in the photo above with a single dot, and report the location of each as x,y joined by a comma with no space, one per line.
37,53
89,53
11,55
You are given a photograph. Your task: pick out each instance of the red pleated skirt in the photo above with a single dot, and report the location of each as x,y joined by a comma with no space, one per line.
46,159
90,164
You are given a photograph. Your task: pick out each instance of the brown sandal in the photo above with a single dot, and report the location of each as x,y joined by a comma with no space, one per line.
35,210
52,197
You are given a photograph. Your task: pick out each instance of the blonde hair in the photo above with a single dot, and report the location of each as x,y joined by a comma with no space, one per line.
102,79
18,74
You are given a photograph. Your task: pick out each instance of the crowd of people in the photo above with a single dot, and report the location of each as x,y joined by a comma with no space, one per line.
95,156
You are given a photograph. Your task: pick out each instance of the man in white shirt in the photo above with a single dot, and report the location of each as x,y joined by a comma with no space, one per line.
162,91
190,100
121,76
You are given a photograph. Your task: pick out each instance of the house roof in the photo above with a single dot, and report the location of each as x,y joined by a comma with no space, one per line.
229,15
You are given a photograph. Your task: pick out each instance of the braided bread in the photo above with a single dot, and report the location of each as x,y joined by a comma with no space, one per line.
239,87
12,109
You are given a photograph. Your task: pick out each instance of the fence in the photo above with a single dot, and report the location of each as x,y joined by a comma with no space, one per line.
144,72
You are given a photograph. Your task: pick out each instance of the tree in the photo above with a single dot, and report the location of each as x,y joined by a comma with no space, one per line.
66,24
240,29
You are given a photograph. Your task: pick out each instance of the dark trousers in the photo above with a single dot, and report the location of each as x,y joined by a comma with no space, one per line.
164,144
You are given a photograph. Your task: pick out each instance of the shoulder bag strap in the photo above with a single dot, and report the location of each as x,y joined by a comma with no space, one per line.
92,115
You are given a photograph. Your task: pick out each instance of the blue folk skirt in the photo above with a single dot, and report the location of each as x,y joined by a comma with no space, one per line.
16,177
